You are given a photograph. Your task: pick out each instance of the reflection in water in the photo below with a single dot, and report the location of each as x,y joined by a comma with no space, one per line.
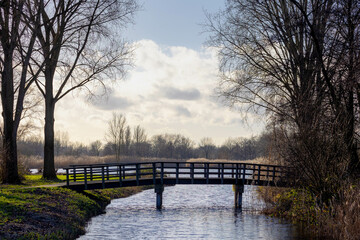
189,212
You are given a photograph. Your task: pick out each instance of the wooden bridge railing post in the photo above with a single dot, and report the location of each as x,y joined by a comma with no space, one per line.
177,173
154,173
120,180
192,173
67,177
162,173
273,175
91,173
207,173
232,170
259,173
244,173
222,173
137,174
253,173
204,165
267,173
74,174
103,176
219,170
237,173
85,178
124,174
107,173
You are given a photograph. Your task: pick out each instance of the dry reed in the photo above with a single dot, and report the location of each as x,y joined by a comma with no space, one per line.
259,160
37,162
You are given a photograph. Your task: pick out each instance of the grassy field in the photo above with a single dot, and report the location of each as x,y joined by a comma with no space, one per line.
31,212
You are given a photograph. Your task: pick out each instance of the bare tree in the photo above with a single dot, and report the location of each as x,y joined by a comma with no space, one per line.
116,132
139,140
17,41
95,148
61,141
127,140
299,61
80,48
207,146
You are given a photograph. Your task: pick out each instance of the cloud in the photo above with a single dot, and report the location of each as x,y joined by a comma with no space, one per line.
170,89
178,94
183,111
112,103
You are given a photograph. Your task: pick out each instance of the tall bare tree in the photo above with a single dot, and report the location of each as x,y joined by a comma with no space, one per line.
95,148
81,47
139,139
207,145
116,133
17,45
127,140
299,61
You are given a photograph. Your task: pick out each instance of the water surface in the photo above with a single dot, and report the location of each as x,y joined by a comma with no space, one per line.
189,212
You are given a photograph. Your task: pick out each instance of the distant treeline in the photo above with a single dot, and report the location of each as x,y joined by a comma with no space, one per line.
173,146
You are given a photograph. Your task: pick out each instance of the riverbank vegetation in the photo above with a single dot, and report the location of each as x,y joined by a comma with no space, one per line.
28,212
298,63
339,219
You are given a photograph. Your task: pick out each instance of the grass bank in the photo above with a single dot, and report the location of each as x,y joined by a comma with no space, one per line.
339,219
28,212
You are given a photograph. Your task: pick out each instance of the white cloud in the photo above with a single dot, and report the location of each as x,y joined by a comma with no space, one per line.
170,89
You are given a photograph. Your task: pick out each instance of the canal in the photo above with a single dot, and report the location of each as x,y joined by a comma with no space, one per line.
189,212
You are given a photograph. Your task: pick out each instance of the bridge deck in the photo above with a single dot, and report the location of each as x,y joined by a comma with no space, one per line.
97,176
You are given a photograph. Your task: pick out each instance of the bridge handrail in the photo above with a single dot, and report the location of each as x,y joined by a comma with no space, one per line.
159,170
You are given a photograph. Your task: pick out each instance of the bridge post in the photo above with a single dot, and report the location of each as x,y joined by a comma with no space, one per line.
159,189
238,189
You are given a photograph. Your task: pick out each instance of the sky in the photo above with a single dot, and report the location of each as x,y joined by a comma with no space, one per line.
170,89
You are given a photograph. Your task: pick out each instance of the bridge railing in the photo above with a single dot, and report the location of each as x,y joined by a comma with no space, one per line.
158,171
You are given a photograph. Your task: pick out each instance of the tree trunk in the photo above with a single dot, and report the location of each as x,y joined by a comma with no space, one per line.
10,170
49,161
10,167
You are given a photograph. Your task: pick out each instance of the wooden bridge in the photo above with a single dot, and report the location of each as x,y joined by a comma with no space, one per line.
99,176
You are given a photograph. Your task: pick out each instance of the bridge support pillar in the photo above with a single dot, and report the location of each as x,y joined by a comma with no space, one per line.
238,189
159,189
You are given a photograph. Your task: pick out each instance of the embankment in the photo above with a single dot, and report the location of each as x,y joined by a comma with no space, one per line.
52,213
